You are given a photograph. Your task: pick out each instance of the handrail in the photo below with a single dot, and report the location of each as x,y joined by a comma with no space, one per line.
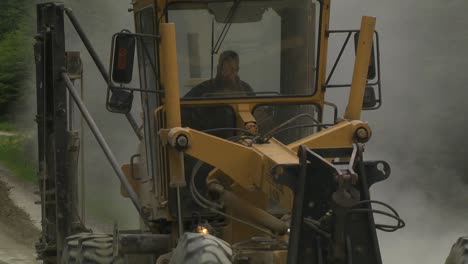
104,146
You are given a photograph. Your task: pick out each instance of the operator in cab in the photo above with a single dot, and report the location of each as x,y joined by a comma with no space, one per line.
226,83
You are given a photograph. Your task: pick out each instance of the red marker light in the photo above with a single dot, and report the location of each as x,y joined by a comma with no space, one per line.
122,61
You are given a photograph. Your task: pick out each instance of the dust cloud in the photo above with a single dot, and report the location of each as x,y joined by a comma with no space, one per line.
420,130
100,20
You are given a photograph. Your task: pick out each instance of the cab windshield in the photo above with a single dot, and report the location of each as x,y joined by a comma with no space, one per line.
246,48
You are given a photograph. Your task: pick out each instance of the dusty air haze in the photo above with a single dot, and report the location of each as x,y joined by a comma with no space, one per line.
420,130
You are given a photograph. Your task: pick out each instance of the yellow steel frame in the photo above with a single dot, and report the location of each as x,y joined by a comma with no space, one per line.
356,94
170,83
250,166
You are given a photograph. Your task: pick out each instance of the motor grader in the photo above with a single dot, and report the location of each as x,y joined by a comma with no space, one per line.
274,175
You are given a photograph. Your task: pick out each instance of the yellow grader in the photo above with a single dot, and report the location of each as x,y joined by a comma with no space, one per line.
236,162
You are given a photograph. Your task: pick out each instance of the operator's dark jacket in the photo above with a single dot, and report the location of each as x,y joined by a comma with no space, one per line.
214,116
216,87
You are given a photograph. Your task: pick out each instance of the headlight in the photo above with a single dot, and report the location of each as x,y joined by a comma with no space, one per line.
202,230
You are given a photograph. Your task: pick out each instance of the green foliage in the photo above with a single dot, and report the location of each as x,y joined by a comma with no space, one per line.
14,155
7,126
12,11
16,51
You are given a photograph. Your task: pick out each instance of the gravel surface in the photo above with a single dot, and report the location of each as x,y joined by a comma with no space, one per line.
18,230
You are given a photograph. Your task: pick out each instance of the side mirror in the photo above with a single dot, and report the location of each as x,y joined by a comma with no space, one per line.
370,100
371,73
123,51
120,101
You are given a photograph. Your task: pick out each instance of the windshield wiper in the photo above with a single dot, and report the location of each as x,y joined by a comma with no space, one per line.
227,26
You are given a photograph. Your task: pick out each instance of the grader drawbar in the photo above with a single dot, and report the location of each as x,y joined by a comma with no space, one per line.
329,216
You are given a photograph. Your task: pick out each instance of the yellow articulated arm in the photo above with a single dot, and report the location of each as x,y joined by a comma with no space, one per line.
343,134
250,166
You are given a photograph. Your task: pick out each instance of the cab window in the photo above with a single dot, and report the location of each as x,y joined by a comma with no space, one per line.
240,49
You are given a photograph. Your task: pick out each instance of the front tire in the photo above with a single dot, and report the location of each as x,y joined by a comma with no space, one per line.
194,248
459,252
89,248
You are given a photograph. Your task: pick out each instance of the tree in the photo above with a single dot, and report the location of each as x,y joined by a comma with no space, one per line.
16,57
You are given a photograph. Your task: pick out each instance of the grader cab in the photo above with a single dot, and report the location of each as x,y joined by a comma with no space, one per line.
238,160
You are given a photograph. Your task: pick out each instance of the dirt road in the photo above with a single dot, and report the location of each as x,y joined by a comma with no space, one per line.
18,230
